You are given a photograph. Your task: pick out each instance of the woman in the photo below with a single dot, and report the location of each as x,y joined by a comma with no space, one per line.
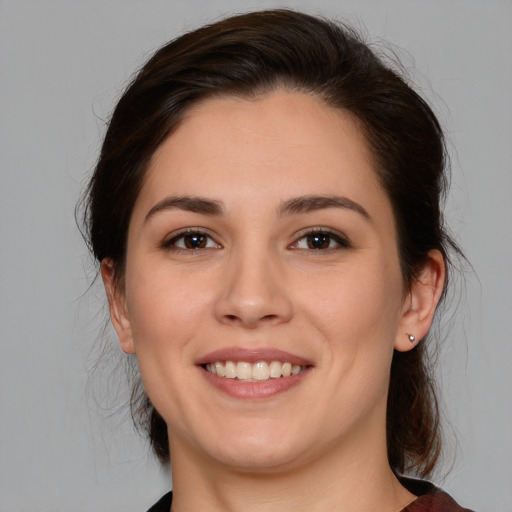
266,212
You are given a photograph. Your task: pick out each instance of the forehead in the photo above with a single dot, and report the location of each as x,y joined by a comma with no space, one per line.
282,143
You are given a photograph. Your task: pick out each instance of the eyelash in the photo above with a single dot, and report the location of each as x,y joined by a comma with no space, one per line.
170,244
341,241
330,235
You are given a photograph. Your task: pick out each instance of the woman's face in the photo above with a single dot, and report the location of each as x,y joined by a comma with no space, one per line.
262,244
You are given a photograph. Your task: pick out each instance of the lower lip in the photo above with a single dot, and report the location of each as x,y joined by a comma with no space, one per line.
254,390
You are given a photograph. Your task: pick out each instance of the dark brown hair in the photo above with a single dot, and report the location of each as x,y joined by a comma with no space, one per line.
251,54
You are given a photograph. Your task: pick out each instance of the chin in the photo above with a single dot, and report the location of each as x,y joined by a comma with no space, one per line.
256,459
256,449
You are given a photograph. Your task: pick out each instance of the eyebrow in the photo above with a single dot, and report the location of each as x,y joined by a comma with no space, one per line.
305,204
189,204
302,204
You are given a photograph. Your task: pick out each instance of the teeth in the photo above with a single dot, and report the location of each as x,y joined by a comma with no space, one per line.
219,369
243,371
259,371
276,369
230,368
296,369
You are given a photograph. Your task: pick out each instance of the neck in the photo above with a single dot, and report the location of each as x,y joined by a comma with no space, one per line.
339,479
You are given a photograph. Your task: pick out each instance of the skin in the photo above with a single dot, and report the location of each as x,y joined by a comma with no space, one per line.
257,284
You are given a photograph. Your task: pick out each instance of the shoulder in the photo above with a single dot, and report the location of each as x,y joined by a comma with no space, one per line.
430,498
163,504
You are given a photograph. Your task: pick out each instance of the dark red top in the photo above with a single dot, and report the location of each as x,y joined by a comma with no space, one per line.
430,499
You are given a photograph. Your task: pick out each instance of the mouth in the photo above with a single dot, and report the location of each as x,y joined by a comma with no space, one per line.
260,371
253,373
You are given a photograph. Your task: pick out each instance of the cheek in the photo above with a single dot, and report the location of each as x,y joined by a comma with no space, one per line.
361,304
165,309
357,315
166,313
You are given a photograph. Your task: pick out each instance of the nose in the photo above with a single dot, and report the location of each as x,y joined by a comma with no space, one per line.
253,292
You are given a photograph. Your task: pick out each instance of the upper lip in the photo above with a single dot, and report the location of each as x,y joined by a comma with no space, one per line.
252,355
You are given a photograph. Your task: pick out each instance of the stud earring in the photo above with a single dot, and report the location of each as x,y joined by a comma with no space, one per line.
412,338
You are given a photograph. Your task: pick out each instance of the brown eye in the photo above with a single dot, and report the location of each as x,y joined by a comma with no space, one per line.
318,241
192,240
195,241
321,241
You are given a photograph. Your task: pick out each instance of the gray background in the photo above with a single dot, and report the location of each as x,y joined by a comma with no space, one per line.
62,65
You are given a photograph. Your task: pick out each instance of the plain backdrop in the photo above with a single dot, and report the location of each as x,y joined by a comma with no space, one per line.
62,66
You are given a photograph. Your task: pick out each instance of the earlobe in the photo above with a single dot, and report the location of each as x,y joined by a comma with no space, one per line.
117,307
421,302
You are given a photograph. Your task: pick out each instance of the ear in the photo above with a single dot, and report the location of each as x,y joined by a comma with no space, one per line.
117,306
421,302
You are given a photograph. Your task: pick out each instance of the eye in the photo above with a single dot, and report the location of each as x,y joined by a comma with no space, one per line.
192,240
321,240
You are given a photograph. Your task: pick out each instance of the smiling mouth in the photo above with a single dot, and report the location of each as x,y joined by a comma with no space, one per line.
258,372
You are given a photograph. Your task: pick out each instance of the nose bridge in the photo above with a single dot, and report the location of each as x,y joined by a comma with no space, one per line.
253,289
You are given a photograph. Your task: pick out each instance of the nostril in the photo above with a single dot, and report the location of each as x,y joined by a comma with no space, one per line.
250,320
251,311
